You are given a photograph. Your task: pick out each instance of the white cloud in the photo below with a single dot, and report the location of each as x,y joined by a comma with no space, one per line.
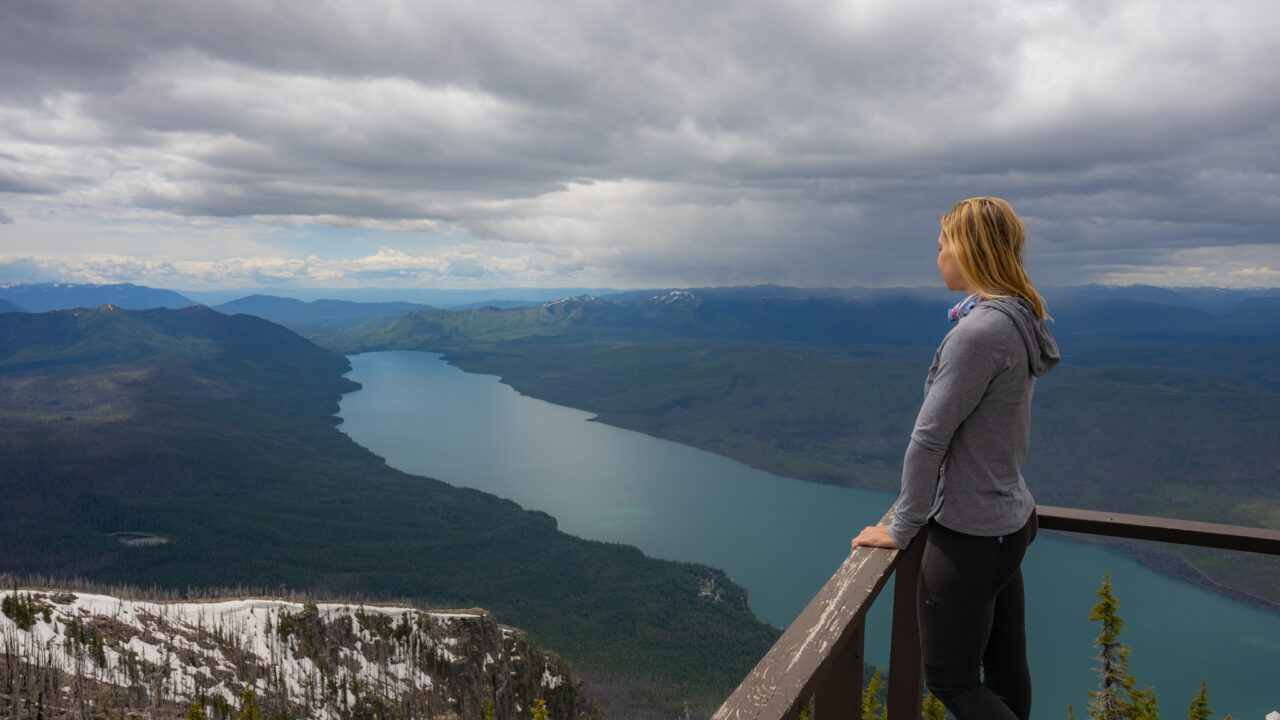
455,266
1247,266
807,143
344,222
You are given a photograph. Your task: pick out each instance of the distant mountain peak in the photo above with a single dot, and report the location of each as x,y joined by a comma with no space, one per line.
40,297
674,298
581,303
80,312
578,300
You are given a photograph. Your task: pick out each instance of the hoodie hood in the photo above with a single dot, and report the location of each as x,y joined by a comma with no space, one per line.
1042,349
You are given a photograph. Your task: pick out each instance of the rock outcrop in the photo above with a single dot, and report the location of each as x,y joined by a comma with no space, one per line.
91,655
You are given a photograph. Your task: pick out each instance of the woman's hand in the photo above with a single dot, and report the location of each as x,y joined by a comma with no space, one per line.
873,536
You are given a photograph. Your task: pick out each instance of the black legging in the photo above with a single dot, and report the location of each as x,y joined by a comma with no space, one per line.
972,622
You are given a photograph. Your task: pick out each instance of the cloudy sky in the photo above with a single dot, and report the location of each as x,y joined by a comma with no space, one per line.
642,143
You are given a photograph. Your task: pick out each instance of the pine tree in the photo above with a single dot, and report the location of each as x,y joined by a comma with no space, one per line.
1107,702
26,613
1116,698
249,709
872,708
932,709
19,608
1142,704
1200,703
98,650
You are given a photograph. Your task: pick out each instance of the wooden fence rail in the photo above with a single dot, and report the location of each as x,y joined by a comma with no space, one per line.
1142,527
820,656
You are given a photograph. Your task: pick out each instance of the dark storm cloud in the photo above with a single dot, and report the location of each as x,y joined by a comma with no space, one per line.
713,142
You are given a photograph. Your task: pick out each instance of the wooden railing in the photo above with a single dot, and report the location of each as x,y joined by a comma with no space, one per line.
820,656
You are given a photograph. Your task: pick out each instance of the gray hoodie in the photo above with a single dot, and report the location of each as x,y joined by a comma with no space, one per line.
963,465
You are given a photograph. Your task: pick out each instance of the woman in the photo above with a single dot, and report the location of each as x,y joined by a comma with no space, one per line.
962,472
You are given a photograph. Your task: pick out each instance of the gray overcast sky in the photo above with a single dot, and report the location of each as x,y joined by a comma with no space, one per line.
484,143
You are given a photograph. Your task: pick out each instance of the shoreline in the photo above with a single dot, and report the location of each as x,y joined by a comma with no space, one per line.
1166,563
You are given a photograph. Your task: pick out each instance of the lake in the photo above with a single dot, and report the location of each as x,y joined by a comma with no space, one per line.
782,538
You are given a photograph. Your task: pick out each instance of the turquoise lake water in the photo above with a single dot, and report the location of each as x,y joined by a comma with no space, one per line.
782,538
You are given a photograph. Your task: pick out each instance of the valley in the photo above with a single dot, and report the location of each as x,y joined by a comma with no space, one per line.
218,432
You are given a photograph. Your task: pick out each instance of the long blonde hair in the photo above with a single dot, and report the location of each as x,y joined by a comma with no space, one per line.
985,237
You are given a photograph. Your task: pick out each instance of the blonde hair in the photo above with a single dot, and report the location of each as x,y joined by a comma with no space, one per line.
985,237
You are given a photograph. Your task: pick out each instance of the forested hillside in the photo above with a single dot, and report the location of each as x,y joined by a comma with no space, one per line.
39,297
78,654
1157,409
214,436
318,317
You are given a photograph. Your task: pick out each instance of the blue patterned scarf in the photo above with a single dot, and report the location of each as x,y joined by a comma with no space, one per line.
964,307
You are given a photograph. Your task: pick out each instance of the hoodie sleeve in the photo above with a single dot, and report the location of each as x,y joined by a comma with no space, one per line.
966,362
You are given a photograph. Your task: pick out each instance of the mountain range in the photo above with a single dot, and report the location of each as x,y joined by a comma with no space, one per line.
314,306
39,297
318,316
884,318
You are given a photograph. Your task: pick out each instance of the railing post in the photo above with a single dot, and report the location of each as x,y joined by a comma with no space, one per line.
820,654
839,691
906,674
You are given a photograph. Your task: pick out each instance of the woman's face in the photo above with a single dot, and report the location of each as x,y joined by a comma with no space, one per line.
947,265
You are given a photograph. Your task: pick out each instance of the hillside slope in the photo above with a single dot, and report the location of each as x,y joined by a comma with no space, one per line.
40,297
216,434
318,316
289,659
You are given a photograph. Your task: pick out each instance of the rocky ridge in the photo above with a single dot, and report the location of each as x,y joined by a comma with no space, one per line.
79,654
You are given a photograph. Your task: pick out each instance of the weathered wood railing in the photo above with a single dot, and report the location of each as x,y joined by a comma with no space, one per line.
820,656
